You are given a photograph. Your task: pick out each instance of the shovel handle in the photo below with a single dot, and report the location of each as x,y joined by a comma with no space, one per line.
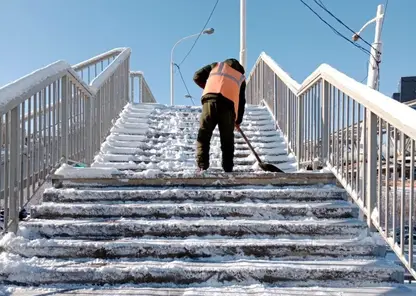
249,145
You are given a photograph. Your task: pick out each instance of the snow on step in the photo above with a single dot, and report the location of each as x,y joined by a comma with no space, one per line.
207,194
330,210
252,290
193,248
111,228
164,138
48,271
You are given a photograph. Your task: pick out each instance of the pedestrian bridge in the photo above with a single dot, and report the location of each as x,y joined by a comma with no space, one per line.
139,220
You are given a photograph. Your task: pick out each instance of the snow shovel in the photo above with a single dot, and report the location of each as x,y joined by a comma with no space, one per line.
268,167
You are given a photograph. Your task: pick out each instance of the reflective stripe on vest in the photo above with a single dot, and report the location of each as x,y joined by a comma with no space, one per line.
226,81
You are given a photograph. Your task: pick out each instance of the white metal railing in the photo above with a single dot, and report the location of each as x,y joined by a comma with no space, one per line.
51,116
145,95
364,137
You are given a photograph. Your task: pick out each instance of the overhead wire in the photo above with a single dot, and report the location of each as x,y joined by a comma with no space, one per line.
203,29
335,30
340,21
184,83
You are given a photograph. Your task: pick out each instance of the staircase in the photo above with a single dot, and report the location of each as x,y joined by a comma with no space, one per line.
246,232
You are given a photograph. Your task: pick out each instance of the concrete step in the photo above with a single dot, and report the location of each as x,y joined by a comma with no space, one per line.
202,249
133,148
208,194
178,165
195,117
344,289
246,126
108,272
106,228
195,121
182,156
328,210
241,153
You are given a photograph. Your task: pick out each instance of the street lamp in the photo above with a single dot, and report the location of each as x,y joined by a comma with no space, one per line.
208,31
375,57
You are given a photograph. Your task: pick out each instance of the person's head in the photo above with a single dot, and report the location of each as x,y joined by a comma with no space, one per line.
235,64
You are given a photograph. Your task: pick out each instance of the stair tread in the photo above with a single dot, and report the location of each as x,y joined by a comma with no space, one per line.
252,290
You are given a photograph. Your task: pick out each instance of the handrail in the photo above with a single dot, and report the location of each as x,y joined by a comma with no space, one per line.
379,103
14,93
53,115
106,55
365,138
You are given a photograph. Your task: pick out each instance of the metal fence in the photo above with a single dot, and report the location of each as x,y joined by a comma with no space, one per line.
365,138
56,114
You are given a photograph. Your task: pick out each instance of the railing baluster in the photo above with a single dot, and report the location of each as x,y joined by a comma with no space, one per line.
380,168
14,167
403,191
394,184
342,135
22,153
411,196
347,143
387,193
372,166
360,129
353,166
7,170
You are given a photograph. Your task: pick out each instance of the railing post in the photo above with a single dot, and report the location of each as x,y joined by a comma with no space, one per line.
288,119
132,88
98,100
141,88
275,96
64,121
325,121
371,184
14,159
261,97
126,84
88,125
299,131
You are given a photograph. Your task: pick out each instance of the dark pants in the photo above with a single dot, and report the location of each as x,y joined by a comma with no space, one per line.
222,113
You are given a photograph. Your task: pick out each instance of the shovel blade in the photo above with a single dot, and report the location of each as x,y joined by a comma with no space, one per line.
270,168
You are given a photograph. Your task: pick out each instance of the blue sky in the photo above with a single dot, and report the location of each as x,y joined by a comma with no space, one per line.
36,33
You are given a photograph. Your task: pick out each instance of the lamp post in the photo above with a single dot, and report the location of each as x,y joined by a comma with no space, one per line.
243,53
207,32
375,57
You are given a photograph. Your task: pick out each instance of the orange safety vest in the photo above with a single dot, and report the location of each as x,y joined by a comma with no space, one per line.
225,80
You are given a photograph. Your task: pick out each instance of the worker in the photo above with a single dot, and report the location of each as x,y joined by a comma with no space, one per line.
223,102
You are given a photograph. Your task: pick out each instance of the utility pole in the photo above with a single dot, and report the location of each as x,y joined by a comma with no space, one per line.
375,57
243,52
373,80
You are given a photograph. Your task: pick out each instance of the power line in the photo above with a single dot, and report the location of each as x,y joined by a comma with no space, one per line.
203,29
183,81
319,3
337,32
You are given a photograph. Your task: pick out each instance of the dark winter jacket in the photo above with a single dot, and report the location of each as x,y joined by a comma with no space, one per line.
201,77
